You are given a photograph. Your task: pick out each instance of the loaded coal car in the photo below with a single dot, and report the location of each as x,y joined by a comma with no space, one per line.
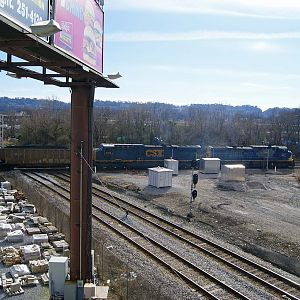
140,156
34,157
254,156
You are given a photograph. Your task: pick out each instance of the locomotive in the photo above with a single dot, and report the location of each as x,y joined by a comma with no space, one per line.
140,156
254,156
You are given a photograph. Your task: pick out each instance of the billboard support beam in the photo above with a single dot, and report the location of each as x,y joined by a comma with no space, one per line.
81,182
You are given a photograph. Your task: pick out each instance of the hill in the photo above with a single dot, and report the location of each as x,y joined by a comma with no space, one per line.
23,104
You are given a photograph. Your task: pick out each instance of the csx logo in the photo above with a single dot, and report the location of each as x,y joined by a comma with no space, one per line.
154,152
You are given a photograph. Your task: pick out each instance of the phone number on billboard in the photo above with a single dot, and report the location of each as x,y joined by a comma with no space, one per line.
23,10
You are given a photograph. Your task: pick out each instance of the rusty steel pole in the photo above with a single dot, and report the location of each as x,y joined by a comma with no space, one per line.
82,100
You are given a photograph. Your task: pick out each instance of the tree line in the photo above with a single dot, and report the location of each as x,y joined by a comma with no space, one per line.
164,124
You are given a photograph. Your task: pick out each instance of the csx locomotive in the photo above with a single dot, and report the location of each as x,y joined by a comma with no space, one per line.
254,156
140,156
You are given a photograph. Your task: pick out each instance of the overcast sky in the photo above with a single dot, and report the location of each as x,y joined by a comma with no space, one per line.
206,51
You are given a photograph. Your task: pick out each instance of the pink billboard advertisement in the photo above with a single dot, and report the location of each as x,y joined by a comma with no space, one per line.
81,22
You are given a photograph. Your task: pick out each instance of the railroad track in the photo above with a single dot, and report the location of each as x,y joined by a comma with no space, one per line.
275,284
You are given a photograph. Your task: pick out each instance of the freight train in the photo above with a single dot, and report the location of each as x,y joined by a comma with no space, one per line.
140,156
107,156
254,156
34,157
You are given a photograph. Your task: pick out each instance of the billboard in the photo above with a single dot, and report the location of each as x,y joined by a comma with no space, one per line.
81,22
25,12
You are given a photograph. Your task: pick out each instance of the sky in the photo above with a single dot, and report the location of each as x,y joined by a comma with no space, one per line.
236,52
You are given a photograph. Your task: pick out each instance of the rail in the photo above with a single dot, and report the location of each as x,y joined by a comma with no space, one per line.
267,278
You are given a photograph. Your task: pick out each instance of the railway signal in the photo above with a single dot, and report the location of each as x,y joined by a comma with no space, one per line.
195,179
194,192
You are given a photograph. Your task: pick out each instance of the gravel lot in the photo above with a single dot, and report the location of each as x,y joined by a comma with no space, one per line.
262,218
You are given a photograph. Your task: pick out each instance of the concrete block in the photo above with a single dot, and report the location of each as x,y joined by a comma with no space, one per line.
233,173
210,165
15,287
160,177
171,164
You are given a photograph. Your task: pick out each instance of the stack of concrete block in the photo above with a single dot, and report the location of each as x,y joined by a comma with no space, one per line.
19,270
91,291
210,165
39,239
4,209
28,280
6,185
14,289
4,229
35,220
2,192
102,292
39,266
33,230
9,198
171,164
12,192
29,209
46,245
233,173
60,245
5,281
39,221
17,218
48,253
233,178
160,177
42,220
10,256
18,226
56,237
15,236
30,252
45,278
3,219
48,229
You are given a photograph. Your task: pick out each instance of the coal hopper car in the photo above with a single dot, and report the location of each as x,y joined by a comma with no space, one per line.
34,157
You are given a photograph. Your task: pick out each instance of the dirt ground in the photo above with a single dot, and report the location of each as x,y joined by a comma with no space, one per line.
262,216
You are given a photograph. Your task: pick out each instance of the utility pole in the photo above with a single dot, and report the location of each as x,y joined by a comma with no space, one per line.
268,153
